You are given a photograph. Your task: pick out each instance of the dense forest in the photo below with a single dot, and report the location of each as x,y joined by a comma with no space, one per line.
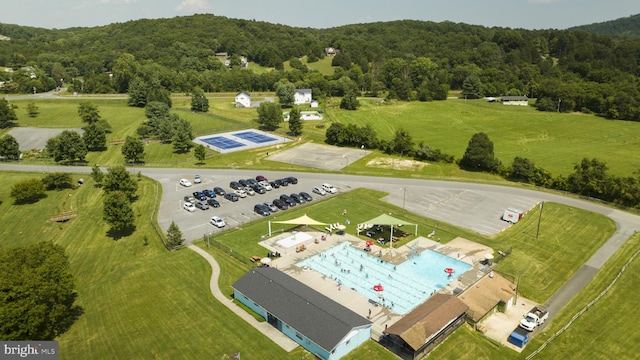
565,70
629,26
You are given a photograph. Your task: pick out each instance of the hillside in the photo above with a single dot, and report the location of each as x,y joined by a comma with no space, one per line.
629,27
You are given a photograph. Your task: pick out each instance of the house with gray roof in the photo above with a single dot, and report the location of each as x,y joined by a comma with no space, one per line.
322,326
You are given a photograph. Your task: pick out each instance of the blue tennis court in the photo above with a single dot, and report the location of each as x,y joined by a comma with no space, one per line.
240,140
222,142
254,137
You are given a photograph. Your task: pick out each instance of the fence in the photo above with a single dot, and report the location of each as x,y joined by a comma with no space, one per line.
211,241
585,308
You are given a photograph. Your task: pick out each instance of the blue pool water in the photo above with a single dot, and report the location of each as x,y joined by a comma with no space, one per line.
405,286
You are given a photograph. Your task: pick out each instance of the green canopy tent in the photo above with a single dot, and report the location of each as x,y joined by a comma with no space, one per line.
385,219
302,220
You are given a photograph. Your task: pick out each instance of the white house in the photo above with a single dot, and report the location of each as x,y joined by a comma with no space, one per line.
243,99
302,96
515,100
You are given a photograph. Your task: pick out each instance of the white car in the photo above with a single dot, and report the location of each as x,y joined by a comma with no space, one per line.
266,185
241,193
196,179
249,191
189,207
320,191
185,182
329,188
217,222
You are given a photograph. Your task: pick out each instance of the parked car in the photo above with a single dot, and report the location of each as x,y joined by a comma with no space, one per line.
235,185
274,184
267,186
240,193
288,200
329,188
217,222
320,191
306,196
292,180
258,188
231,196
251,182
281,182
219,191
213,203
189,207
249,191
209,193
297,198
280,204
243,182
202,205
261,178
260,209
185,182
190,199
196,179
199,196
271,207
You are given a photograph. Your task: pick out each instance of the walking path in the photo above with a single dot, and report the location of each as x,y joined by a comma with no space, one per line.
269,331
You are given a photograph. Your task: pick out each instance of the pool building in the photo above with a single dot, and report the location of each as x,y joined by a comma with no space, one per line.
322,326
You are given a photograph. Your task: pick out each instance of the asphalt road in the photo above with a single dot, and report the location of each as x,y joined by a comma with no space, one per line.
471,205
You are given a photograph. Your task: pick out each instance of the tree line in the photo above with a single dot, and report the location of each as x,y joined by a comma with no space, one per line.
408,60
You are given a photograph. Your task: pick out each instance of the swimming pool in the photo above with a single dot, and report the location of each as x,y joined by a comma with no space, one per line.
404,286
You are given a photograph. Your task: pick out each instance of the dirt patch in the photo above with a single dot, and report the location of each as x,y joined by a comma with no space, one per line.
396,164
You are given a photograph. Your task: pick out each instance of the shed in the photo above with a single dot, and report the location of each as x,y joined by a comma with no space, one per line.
489,293
515,100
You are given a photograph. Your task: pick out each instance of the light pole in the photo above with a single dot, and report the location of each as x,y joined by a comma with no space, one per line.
539,219
559,101
404,197
346,160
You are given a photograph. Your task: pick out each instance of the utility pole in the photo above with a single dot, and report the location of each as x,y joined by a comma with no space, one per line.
539,219
559,101
404,197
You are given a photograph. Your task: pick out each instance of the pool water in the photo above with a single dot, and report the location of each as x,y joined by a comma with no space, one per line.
404,286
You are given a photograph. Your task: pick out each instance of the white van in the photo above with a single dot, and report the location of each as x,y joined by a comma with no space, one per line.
329,188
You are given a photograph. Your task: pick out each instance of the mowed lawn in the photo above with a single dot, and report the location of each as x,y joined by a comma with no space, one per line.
140,301
553,141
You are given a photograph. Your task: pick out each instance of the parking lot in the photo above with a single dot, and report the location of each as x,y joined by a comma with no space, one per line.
196,224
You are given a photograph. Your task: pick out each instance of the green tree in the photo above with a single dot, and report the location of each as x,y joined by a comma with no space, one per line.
38,292
590,178
479,155
200,152
57,181
402,143
119,179
94,137
32,110
523,170
285,91
68,146
9,148
472,87
88,112
174,236
295,123
97,174
199,101
269,115
28,191
138,90
125,69
7,113
181,139
133,149
349,101
117,211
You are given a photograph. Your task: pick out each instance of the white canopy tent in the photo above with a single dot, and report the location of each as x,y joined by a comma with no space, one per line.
385,219
302,220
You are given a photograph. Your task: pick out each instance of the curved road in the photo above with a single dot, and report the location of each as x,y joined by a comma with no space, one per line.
449,197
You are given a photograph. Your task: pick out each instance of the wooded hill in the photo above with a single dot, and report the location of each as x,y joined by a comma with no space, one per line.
406,60
629,26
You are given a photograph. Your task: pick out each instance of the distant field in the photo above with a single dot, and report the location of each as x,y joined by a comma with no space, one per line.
553,141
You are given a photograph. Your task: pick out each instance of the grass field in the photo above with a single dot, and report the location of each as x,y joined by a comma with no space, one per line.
553,141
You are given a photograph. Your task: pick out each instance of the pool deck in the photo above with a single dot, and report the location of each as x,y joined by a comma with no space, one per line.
461,249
